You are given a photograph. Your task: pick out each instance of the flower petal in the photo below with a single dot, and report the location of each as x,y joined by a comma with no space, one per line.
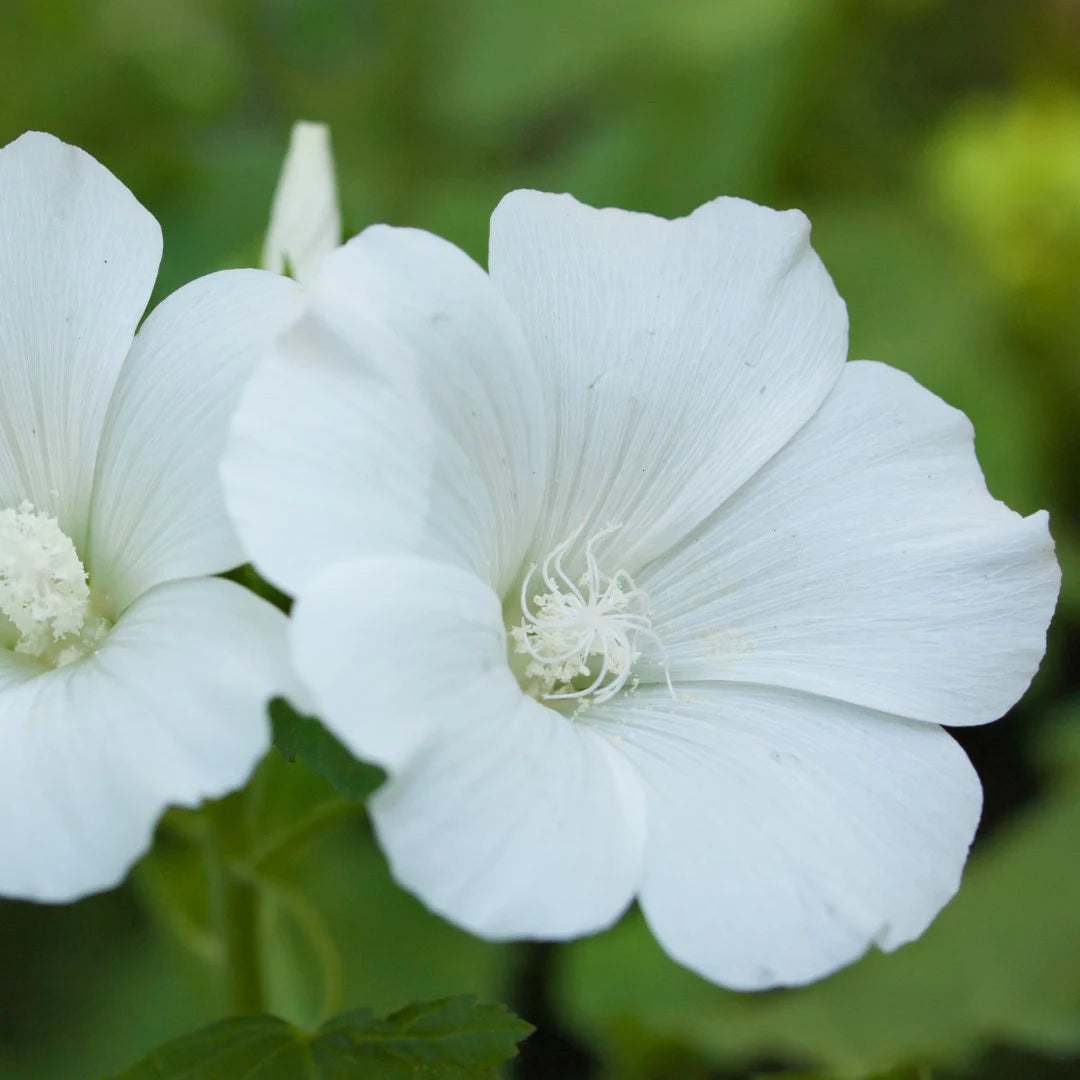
868,563
158,511
413,632
522,824
677,356
787,833
502,815
78,257
397,415
305,222
171,709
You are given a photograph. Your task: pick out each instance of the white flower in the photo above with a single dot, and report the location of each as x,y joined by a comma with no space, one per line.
634,586
129,679
305,222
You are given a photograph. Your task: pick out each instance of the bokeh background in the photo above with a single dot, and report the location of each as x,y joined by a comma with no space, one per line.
935,146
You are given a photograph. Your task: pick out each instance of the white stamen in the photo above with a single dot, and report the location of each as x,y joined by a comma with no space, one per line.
43,588
598,616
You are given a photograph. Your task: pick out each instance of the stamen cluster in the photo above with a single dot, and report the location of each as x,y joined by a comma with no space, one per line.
563,629
43,588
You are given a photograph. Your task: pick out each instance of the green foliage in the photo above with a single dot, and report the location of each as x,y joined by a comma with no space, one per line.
453,1039
303,738
1009,173
918,1073
336,931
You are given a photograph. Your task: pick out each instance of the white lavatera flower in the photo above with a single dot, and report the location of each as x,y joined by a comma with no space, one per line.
634,586
130,678
305,219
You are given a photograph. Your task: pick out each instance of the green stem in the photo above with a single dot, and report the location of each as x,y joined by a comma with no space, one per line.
234,908
317,821
310,923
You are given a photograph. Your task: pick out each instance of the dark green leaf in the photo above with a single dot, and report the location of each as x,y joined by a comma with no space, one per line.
250,578
303,738
453,1039
256,1048
909,1073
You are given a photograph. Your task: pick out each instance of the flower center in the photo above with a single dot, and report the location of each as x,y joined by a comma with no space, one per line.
580,637
43,589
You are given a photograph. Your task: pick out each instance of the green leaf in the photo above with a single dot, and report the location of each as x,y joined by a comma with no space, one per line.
250,578
303,738
917,1072
259,1048
452,1039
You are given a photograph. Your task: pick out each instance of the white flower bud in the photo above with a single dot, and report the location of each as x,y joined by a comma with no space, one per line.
305,221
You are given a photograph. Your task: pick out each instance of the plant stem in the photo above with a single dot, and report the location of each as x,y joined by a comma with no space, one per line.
234,908
319,819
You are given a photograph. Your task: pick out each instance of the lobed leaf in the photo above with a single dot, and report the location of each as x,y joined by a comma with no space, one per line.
303,738
452,1039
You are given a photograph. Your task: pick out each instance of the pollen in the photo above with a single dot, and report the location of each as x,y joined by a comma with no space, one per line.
43,589
581,636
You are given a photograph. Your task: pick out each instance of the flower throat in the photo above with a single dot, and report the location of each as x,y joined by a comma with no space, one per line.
579,638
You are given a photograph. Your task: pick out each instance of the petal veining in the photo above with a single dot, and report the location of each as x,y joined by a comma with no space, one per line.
78,258
676,357
867,562
416,429
158,510
788,833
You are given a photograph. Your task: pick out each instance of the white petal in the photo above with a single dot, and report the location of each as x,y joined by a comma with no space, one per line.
158,511
502,815
305,222
522,824
78,257
677,356
319,457
172,709
390,648
397,415
867,562
788,833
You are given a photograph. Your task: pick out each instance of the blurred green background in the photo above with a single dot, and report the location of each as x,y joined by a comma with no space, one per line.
936,148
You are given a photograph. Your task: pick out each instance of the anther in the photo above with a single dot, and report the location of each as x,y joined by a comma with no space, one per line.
43,588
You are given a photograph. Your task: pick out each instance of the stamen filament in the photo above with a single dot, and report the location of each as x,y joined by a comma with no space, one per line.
564,628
